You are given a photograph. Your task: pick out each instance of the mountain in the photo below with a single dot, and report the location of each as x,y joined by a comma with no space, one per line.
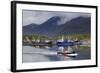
51,27
79,25
28,28
44,28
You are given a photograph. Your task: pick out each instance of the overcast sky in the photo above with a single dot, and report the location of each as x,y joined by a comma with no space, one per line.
38,17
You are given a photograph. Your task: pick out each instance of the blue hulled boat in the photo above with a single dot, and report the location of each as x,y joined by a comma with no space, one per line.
63,42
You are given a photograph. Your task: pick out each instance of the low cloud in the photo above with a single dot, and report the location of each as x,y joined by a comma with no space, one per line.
38,17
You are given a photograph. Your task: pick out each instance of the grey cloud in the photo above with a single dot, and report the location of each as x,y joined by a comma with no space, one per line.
38,17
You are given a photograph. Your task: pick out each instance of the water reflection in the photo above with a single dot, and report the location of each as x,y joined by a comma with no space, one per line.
60,50
55,49
49,52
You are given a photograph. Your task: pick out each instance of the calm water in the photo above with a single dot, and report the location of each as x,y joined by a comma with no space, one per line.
49,53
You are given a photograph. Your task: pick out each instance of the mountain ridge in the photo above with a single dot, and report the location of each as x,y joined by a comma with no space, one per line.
51,27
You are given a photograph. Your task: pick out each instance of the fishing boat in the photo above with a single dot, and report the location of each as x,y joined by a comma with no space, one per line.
69,54
68,42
